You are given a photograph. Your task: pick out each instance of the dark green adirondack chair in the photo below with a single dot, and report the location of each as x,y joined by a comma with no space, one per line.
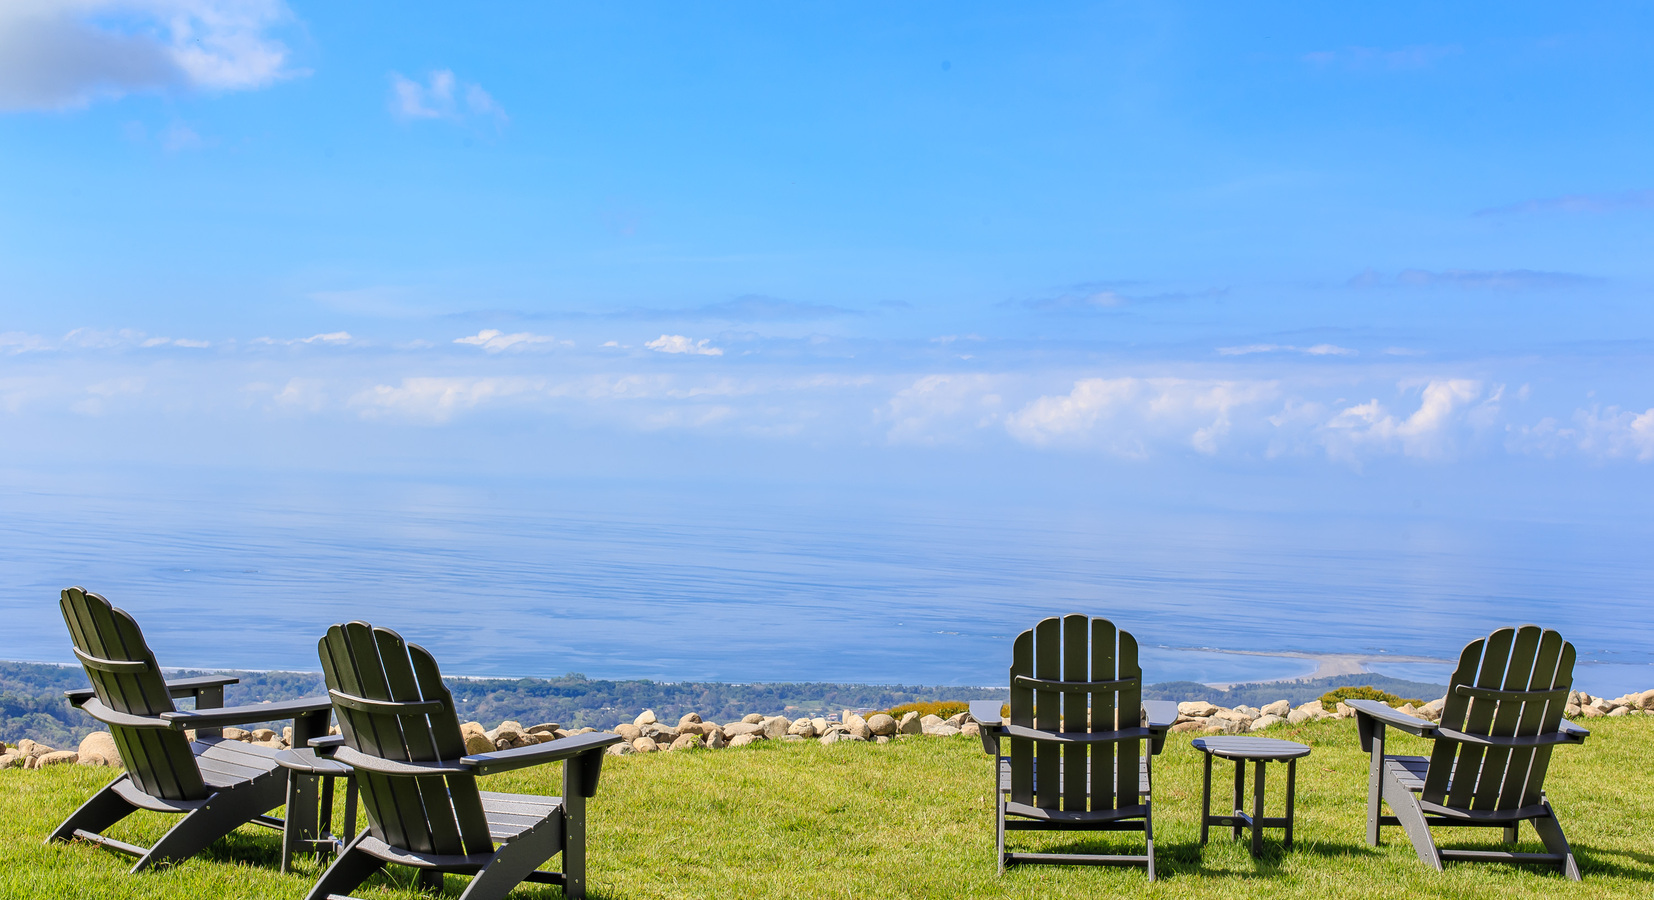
1493,744
217,785
419,788
1080,739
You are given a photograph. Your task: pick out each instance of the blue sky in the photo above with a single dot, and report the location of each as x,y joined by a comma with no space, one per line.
1298,248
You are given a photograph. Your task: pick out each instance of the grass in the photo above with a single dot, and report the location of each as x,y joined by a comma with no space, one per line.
911,819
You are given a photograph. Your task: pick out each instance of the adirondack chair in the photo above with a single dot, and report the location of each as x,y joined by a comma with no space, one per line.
217,785
1492,747
400,733
1080,739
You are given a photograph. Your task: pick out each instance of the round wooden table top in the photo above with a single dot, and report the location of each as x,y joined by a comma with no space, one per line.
1241,747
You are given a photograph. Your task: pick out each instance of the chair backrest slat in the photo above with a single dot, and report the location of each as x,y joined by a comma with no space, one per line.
126,678
1076,674
1518,680
392,704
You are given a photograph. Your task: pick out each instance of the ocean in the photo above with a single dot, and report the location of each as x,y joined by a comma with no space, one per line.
542,579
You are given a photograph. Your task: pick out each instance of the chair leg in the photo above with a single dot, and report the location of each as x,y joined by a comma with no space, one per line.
351,868
104,809
223,813
1405,804
999,824
518,857
1148,837
1375,784
1550,832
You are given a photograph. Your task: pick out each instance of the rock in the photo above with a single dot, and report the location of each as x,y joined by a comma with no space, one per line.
478,743
11,759
1251,712
1212,729
237,734
715,740
1433,709
834,737
687,718
661,733
1278,709
957,719
287,735
1196,708
1408,709
264,734
943,730
737,729
56,758
645,745
910,724
686,742
970,729
1233,715
857,728
1600,705
469,728
1572,710
776,727
1299,717
752,719
647,717
31,749
1591,712
629,732
620,749
820,724
802,728
881,725
1342,710
1645,700
741,740
545,728
1186,727
1266,720
928,722
98,749
1620,711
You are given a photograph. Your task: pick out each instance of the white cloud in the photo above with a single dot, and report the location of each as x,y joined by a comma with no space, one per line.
1317,350
1426,434
436,399
63,54
1127,416
442,96
1613,433
331,338
494,341
677,343
942,408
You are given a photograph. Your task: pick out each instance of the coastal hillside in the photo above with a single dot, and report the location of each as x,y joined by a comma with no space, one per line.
32,704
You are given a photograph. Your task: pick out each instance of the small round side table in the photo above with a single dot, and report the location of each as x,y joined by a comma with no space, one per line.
1260,751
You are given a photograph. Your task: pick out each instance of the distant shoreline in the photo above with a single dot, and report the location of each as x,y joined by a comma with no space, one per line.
1326,664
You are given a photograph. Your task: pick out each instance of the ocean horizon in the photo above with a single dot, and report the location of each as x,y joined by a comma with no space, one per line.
539,578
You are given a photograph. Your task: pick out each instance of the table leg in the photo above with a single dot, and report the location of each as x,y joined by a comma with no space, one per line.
350,810
1257,809
1206,802
1240,795
1291,791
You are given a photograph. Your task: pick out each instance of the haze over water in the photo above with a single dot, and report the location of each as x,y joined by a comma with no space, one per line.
540,579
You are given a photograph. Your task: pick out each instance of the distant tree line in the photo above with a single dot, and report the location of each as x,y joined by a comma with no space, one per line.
32,703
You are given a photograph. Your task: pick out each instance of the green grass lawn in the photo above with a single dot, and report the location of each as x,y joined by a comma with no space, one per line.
911,819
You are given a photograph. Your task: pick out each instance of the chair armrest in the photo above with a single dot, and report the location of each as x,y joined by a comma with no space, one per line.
95,708
1576,733
240,715
987,715
1159,716
1371,715
327,743
537,754
987,712
177,687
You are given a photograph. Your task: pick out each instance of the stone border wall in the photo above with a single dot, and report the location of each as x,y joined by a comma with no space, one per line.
646,734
